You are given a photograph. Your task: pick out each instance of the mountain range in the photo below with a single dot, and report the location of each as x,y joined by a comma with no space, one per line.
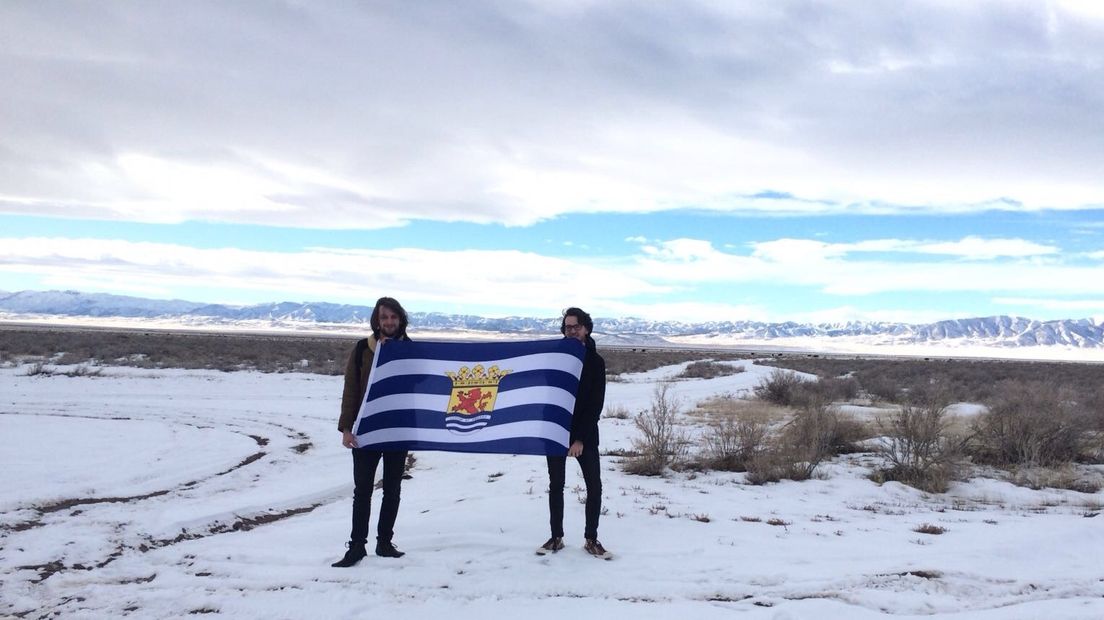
991,331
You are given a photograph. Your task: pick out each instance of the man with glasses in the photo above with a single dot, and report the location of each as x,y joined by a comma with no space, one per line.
583,442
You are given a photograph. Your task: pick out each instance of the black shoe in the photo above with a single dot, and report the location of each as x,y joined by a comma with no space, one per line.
388,550
355,554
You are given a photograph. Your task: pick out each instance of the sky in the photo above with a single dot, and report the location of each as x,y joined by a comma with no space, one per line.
785,161
155,535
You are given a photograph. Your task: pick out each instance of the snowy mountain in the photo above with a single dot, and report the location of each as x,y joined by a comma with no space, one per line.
993,331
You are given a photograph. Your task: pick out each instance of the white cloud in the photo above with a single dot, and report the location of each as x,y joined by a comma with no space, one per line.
832,269
1095,305
975,248
509,281
370,115
1082,8
667,280
969,248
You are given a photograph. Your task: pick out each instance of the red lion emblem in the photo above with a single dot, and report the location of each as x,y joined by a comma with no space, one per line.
474,400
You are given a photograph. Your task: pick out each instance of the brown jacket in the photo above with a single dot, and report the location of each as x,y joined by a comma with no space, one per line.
355,385
352,396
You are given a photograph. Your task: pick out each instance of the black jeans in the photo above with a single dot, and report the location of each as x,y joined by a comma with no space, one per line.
364,474
592,477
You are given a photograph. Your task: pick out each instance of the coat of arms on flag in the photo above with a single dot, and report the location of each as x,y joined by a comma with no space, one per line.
500,397
473,397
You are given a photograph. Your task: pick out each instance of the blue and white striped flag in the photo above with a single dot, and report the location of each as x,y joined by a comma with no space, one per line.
500,397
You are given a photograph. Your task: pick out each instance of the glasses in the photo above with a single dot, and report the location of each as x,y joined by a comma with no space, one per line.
573,328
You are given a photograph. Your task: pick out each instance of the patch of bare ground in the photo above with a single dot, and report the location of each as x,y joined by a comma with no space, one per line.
241,524
66,504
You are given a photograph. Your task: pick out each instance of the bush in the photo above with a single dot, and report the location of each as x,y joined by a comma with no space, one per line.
780,388
618,412
840,388
879,387
1030,423
795,452
661,444
84,370
848,435
917,448
1066,476
1092,406
732,442
37,369
708,369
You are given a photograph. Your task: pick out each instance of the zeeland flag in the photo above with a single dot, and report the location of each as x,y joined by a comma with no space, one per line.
498,397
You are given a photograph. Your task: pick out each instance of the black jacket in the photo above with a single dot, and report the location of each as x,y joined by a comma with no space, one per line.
590,399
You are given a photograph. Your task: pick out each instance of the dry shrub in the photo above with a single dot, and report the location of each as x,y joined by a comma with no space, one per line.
38,369
928,528
882,388
622,361
1030,423
1061,477
969,380
732,442
661,443
918,448
708,369
780,388
175,349
619,412
839,388
787,388
849,434
1092,404
84,370
797,449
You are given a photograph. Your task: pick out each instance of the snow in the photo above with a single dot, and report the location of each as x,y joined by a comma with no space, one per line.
230,496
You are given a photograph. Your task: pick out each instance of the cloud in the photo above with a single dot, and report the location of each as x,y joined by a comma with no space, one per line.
682,279
1053,304
976,248
967,248
843,269
373,115
505,281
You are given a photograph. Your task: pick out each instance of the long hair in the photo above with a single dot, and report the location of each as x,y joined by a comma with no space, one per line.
394,306
582,317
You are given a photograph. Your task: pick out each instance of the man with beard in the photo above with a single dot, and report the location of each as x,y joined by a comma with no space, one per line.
389,321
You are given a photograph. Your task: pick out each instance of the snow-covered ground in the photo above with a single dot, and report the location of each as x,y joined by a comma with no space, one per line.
156,494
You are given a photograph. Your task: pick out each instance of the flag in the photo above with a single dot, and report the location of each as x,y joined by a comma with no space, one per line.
498,397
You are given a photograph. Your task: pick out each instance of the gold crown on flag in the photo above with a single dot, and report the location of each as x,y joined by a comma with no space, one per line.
476,376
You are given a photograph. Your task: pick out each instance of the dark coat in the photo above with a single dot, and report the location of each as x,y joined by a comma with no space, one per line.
590,399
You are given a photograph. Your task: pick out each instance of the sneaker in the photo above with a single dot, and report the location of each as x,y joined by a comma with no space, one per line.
355,554
388,550
553,545
595,548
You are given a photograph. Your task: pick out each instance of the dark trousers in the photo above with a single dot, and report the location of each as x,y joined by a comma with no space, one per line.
592,476
364,474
